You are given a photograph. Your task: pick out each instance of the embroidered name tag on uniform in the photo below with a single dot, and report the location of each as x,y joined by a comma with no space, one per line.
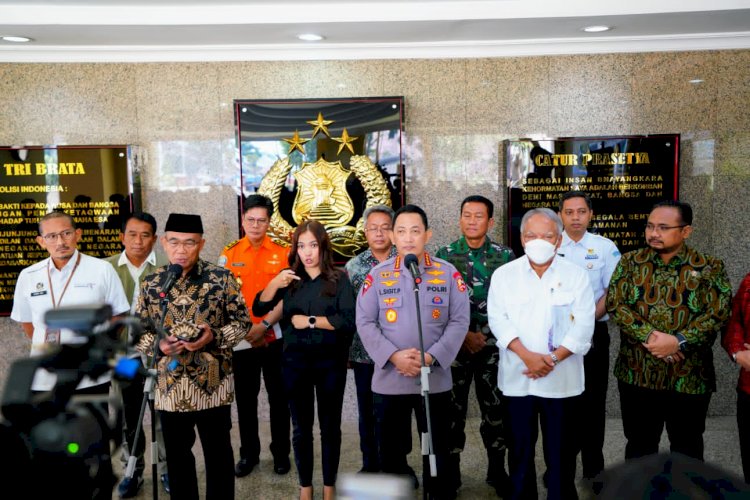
238,264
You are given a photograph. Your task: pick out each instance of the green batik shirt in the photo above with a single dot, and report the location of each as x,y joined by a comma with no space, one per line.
476,265
690,296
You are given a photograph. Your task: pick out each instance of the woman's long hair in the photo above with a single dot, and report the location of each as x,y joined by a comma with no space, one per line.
328,272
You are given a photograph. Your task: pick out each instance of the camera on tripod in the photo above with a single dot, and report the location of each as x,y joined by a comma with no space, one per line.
60,441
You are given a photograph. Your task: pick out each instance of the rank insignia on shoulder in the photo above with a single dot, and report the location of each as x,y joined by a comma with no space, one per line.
366,284
460,284
391,315
230,245
436,314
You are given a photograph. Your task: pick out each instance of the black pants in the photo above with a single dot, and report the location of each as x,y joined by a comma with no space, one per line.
308,375
368,444
179,436
743,414
646,411
248,365
557,418
393,414
594,402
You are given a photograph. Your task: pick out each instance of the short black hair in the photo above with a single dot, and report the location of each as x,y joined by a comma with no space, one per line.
258,201
479,199
412,209
686,211
141,216
57,214
575,194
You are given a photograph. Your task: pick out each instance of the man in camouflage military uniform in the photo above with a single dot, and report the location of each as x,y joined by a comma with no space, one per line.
476,257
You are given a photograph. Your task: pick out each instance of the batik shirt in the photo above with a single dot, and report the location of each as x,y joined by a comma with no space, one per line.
476,265
200,380
689,296
357,268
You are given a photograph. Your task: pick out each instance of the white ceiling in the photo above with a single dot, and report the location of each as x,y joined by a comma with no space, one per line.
191,30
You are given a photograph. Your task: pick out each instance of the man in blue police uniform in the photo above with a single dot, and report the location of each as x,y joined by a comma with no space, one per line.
599,257
386,322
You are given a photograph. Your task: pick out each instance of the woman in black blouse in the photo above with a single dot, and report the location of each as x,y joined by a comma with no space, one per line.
318,324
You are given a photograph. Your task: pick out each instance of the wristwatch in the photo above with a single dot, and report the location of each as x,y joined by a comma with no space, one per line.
311,320
681,341
266,324
553,356
734,357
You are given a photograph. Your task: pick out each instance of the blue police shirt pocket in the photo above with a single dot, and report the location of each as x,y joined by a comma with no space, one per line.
390,307
435,308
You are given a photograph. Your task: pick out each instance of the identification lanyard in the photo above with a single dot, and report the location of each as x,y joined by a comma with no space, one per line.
52,336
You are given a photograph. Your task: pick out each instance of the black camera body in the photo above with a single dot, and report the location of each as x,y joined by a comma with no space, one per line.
61,441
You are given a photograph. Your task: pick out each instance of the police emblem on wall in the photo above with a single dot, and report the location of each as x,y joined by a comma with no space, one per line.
326,160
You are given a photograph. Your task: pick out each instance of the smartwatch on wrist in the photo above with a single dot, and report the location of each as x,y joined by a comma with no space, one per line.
266,324
311,320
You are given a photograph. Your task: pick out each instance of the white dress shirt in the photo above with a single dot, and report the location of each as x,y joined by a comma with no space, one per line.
597,255
543,313
94,283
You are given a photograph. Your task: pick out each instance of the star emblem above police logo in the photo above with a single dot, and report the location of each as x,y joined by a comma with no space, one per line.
322,193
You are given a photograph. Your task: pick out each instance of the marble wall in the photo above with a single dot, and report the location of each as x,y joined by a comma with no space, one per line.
457,113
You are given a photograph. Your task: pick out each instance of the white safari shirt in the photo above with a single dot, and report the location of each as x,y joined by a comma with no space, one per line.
94,283
543,313
597,255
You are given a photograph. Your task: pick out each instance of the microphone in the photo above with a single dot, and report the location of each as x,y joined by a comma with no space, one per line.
412,263
174,271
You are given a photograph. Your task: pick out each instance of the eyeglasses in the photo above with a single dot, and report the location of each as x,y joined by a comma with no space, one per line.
378,229
65,235
255,222
663,227
187,244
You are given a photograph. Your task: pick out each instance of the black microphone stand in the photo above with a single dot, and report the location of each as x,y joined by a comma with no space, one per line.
148,398
428,451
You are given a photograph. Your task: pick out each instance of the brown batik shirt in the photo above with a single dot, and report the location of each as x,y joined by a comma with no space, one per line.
200,380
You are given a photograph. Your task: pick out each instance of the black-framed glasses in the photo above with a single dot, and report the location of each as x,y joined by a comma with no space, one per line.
663,227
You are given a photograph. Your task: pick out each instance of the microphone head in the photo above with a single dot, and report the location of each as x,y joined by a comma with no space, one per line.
175,269
411,259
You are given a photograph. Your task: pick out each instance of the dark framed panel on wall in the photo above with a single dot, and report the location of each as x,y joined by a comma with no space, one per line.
94,184
624,175
326,159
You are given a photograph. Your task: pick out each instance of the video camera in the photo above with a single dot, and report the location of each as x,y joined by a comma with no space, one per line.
60,441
